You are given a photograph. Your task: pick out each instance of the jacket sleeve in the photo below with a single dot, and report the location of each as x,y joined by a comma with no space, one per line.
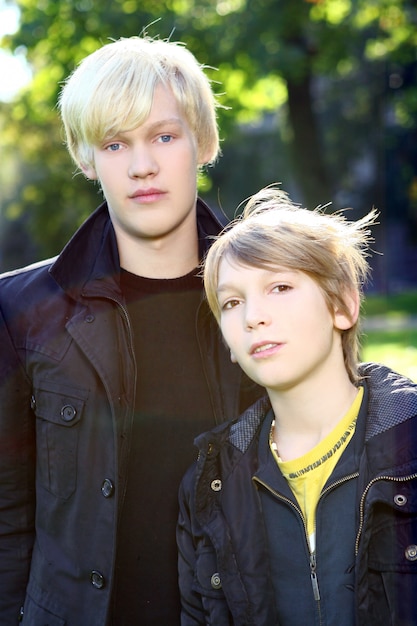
17,472
191,604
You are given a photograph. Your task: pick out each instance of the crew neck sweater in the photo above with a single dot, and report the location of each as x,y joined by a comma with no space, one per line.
172,407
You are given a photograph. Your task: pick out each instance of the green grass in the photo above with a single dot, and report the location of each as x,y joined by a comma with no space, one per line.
395,348
392,305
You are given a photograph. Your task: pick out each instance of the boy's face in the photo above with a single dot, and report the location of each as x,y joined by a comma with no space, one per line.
148,175
278,326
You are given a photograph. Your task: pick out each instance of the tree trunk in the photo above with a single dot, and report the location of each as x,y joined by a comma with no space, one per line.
307,151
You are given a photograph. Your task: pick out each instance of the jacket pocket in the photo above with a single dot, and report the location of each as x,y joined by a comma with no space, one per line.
207,581
35,615
208,584
59,411
393,527
392,561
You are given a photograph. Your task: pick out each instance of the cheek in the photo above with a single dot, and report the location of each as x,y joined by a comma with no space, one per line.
187,160
316,322
227,332
110,178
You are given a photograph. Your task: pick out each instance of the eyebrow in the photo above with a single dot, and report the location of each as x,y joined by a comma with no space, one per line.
230,286
225,287
170,120
151,128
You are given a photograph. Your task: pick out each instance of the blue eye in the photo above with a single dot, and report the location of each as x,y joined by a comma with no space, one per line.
165,138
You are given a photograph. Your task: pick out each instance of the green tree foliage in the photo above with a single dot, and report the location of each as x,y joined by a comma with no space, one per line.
318,94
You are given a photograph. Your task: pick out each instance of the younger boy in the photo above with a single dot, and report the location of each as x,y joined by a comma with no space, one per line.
110,361
304,510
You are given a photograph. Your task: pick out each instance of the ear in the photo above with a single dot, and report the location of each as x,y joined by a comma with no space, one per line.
343,321
89,171
204,156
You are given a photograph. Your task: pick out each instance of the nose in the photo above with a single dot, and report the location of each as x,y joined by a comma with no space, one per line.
142,163
256,315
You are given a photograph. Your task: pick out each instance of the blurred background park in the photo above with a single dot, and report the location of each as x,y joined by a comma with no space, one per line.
318,95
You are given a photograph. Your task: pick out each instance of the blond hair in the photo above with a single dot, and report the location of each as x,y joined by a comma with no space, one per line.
273,231
112,89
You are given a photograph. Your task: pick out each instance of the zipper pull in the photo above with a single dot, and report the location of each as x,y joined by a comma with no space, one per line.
313,576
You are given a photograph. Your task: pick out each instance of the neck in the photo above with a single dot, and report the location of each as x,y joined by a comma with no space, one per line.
305,415
159,258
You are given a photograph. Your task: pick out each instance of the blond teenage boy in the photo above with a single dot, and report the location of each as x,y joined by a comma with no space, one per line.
304,510
110,361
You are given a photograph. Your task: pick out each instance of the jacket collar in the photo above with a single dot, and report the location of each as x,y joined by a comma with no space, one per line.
392,398
391,424
390,401
89,264
90,255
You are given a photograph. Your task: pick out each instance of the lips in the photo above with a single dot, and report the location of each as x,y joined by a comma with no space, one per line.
264,348
147,194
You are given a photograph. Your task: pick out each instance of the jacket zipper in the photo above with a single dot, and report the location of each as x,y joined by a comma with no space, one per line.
313,576
312,561
399,479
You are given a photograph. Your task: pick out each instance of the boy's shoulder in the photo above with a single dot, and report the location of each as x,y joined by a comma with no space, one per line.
384,380
17,278
243,430
37,265
392,398
239,432
25,291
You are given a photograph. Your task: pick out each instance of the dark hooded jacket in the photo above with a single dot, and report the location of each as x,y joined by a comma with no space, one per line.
364,570
67,384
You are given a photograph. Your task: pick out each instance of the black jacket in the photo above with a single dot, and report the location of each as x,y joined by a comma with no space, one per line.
67,383
224,564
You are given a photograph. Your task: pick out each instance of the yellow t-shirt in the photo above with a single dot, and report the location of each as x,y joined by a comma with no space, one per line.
308,474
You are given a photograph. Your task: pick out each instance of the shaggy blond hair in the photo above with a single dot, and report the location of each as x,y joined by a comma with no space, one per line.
272,231
111,91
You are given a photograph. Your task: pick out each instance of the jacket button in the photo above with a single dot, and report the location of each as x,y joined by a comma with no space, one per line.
97,579
411,553
216,484
33,403
400,500
89,318
215,581
107,488
68,413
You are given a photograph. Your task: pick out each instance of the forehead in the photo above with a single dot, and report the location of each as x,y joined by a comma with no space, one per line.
231,271
153,108
163,98
161,104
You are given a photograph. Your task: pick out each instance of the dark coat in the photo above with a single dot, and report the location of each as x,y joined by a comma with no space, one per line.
224,565
67,384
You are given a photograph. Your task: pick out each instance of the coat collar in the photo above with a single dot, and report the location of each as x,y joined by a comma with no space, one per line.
89,264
